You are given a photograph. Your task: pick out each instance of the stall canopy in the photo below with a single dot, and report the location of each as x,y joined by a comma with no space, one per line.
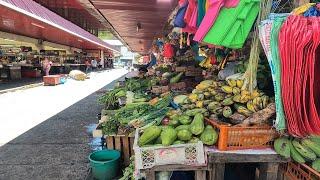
137,22
28,18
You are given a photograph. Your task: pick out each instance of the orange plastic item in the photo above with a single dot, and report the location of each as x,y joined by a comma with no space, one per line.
51,80
296,171
236,138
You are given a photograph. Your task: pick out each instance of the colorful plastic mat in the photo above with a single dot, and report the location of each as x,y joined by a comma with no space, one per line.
268,34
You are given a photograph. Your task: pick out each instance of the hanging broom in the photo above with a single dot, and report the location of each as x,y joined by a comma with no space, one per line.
250,76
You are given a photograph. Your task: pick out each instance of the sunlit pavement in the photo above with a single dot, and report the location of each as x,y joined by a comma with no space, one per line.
22,110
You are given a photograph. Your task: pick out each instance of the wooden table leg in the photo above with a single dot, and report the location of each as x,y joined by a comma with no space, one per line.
268,171
150,175
200,175
217,171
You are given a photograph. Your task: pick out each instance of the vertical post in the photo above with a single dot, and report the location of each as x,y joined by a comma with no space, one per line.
102,58
298,3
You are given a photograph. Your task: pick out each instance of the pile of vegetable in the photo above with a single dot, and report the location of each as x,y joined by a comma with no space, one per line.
137,115
179,128
226,101
135,89
300,150
128,172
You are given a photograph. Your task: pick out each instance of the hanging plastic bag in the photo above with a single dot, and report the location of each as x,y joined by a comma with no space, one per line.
179,20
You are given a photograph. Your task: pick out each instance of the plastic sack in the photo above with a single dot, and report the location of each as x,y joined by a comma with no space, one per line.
77,75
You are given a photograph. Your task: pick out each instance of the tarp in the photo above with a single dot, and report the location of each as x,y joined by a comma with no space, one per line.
43,14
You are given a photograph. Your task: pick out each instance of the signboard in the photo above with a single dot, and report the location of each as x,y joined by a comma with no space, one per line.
105,35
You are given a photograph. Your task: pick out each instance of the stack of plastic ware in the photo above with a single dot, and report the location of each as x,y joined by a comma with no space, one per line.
299,41
268,34
233,25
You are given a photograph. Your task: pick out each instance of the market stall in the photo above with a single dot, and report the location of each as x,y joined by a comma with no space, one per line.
211,96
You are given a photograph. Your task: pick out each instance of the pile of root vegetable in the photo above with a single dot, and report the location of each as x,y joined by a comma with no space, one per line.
226,101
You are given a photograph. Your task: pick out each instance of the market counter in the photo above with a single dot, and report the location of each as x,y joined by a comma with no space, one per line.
11,72
268,159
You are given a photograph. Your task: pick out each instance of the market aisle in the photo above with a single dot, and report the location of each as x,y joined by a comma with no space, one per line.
58,147
22,110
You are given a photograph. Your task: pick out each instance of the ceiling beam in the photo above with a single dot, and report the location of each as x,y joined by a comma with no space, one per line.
133,8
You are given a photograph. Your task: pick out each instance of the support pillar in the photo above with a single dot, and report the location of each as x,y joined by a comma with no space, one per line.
102,58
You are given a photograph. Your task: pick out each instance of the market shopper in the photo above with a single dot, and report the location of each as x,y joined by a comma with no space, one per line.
94,64
46,66
88,65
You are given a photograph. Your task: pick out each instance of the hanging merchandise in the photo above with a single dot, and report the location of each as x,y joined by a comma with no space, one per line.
179,20
312,11
233,25
299,39
168,51
201,11
302,9
268,34
211,15
190,17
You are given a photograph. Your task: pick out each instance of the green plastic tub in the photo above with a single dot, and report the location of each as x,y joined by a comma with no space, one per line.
104,164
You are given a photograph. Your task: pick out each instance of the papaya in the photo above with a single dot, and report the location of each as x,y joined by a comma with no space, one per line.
176,78
182,127
184,119
197,125
194,140
168,136
173,122
209,136
149,135
316,165
178,142
193,112
184,135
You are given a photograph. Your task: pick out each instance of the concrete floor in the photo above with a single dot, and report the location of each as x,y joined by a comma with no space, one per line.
57,148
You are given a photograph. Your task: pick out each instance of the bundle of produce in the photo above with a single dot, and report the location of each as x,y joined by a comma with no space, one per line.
300,150
110,98
138,115
77,75
179,128
134,89
225,100
128,172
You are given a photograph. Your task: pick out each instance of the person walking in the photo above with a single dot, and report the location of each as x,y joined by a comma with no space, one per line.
46,66
88,65
94,64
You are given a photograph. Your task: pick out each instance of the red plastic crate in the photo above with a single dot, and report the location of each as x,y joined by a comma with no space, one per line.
51,80
294,171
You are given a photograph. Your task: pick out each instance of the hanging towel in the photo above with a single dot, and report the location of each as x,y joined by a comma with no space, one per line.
280,123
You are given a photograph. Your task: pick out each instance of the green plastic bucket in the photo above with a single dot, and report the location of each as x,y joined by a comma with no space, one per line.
104,164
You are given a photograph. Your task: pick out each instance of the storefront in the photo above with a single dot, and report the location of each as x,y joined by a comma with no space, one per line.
31,33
